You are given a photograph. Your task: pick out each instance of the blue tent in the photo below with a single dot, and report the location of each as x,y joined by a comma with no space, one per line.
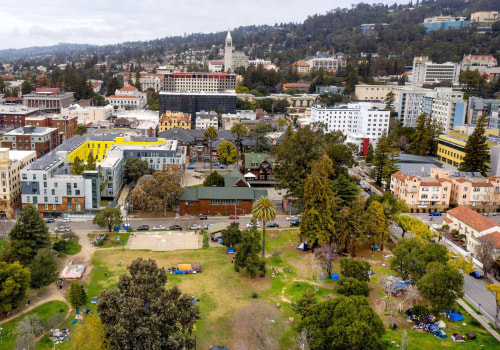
454,316
230,250
402,284
335,276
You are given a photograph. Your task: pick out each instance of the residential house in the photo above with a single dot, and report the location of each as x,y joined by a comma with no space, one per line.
170,120
258,169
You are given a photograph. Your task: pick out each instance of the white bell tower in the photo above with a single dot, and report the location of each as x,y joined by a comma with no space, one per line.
228,53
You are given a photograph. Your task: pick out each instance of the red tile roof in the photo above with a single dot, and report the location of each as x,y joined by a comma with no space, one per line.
430,184
128,88
447,220
481,184
122,96
302,64
399,175
493,237
473,219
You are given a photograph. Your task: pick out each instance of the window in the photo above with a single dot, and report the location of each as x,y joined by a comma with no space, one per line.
53,192
464,196
191,202
56,199
74,185
46,206
78,207
25,177
45,184
54,207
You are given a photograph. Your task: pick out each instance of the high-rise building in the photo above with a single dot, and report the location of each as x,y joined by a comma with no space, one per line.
193,81
233,59
427,72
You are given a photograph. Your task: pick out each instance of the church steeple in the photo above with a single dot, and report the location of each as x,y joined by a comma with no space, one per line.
228,53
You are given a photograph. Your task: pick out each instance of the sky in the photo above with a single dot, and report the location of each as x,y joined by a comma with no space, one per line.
49,22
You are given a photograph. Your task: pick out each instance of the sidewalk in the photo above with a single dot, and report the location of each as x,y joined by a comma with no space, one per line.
480,319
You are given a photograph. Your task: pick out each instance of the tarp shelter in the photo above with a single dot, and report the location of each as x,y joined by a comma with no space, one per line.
402,284
441,324
303,246
335,276
230,250
470,336
72,272
455,317
457,337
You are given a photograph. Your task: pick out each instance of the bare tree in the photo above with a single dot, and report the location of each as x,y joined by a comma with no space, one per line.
485,253
27,329
326,254
313,270
303,339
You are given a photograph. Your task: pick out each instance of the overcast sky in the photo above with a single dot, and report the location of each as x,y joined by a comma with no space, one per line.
41,23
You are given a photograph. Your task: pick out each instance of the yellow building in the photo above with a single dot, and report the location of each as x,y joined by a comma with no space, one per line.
170,120
451,147
99,146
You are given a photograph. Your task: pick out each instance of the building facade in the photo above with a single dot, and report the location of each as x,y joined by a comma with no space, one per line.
444,22
14,116
11,163
31,138
128,97
170,120
481,107
86,115
479,60
206,119
206,82
48,99
427,72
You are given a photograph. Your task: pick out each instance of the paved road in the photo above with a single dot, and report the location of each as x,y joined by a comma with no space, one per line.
474,290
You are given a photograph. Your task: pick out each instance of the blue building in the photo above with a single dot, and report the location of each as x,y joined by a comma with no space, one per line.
445,23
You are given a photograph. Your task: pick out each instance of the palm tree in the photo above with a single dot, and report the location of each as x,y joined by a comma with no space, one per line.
238,130
263,209
211,134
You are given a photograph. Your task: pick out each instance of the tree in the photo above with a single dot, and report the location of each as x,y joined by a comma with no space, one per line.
109,217
308,146
346,191
29,234
210,135
477,154
356,325
169,188
247,252
142,314
138,80
227,152
78,166
231,235
27,87
134,169
419,229
81,130
494,288
369,154
351,286
377,225
44,269
350,225
77,295
14,282
264,210
91,335
421,137
91,163
239,130
28,328
485,253
214,179
441,286
355,269
259,135
305,302
385,160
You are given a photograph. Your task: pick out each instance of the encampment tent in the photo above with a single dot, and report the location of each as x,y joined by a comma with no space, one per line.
454,315
441,324
470,336
457,337
303,246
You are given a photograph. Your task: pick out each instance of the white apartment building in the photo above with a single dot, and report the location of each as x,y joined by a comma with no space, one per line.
206,119
258,62
87,115
328,63
427,72
409,104
373,93
216,66
354,118
446,106
193,81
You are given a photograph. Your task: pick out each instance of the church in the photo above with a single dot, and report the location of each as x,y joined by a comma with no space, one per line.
233,59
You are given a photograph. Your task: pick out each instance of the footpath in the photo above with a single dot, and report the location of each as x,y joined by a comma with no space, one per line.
480,319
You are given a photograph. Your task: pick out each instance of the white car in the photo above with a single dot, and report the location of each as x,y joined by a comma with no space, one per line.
195,227
159,227
291,218
249,225
66,220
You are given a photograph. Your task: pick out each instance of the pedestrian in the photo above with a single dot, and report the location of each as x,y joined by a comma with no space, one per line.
105,274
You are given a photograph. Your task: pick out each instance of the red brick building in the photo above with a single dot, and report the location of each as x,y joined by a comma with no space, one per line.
14,116
66,125
31,138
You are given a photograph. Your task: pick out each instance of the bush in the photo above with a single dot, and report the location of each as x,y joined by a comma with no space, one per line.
60,246
68,235
445,227
351,286
205,240
255,295
454,232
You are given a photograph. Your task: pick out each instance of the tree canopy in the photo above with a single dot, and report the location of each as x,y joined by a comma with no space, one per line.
44,269
134,169
477,151
141,314
109,217
14,282
214,179
227,153
264,209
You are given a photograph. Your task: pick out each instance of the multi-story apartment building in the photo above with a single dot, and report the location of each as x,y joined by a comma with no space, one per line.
88,115
205,119
128,97
11,163
441,189
481,107
49,185
192,102
373,93
207,82
66,125
354,118
328,63
14,116
445,106
170,120
48,99
427,72
31,138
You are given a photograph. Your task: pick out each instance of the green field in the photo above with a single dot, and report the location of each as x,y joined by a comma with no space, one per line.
45,312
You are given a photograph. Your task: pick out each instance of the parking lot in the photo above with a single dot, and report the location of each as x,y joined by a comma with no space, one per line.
165,241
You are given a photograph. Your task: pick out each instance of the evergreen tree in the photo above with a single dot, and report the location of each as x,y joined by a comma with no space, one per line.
421,137
346,190
78,166
385,159
210,135
247,252
214,179
138,80
91,163
369,154
43,269
477,154
76,297
264,209
29,234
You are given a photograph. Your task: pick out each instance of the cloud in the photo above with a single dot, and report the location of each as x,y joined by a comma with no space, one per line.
112,21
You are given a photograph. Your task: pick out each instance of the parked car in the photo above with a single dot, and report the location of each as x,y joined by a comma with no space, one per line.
50,221
232,217
272,224
62,229
159,227
143,228
66,220
202,217
295,223
250,225
220,166
206,226
476,274
195,227
436,213
291,218
175,228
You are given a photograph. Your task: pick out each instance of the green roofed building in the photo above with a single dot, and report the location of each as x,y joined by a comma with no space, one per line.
258,169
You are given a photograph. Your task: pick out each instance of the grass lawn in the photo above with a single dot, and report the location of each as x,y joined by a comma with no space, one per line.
113,239
2,244
44,312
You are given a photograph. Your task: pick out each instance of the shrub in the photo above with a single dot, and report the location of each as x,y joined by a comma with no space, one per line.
445,227
205,240
60,246
351,286
255,295
68,235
